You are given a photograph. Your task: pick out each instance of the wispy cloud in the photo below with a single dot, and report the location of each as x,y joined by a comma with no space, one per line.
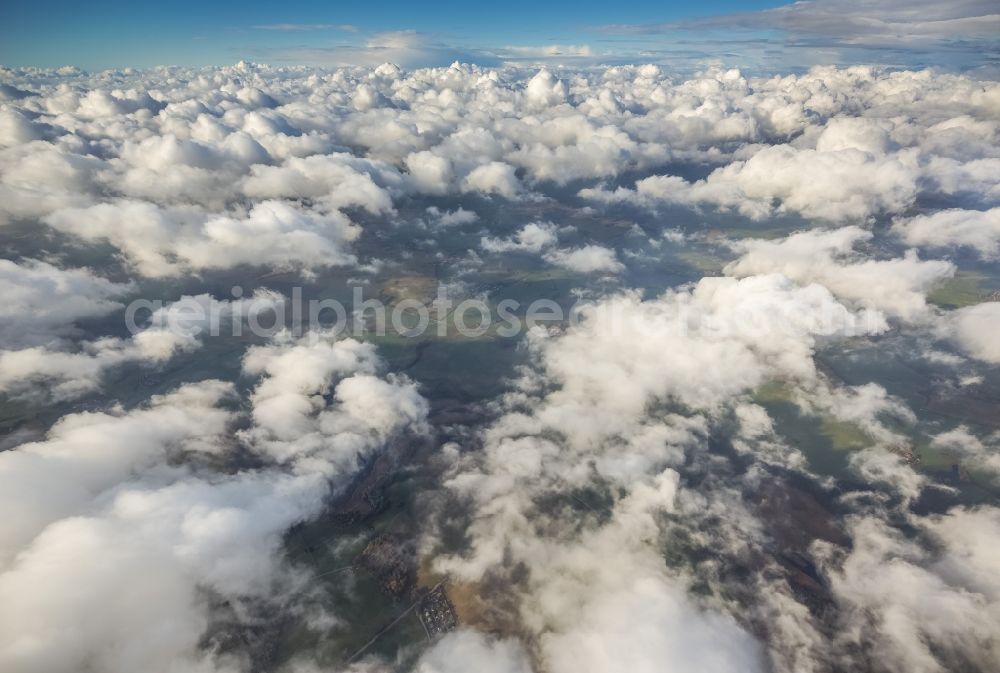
852,22
958,34
293,27
406,48
547,51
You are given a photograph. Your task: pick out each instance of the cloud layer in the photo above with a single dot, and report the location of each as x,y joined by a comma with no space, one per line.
743,456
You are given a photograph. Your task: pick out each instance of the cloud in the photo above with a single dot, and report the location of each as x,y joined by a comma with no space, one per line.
450,218
294,422
616,403
295,27
93,452
954,228
876,24
912,30
561,53
588,259
405,48
160,242
896,286
545,90
457,652
63,371
923,609
540,238
152,539
640,495
18,129
968,449
667,633
974,329
335,181
841,184
533,237
495,177
778,144
34,182
42,301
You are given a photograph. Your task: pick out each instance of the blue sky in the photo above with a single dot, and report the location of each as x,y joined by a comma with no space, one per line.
752,33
